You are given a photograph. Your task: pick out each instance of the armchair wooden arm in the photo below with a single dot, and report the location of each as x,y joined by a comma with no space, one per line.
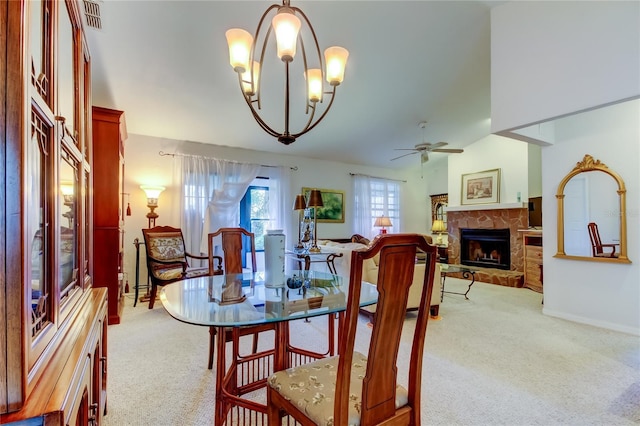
167,258
613,250
213,270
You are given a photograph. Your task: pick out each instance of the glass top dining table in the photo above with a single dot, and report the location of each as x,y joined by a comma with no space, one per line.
245,303
243,299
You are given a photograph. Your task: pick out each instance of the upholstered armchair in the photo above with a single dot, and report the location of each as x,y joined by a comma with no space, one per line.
167,259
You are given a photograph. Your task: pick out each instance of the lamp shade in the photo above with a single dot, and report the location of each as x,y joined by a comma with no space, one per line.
315,198
152,192
240,42
66,188
336,61
299,203
382,222
251,82
314,84
286,26
438,226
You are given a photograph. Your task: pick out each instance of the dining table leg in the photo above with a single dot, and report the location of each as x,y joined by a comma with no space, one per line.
220,409
280,357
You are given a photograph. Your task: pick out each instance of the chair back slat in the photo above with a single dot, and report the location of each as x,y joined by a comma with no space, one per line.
395,276
231,241
594,236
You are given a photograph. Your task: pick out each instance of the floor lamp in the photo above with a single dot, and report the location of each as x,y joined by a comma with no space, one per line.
315,201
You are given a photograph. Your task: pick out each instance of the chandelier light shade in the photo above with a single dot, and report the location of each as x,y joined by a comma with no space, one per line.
289,26
382,222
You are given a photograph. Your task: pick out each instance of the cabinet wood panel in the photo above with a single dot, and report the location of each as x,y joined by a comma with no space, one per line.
52,319
109,135
533,277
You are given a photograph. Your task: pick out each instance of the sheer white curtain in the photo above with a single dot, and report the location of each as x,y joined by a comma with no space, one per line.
374,197
363,224
280,202
211,193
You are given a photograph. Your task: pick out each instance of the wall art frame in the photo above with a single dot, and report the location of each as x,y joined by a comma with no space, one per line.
481,187
333,210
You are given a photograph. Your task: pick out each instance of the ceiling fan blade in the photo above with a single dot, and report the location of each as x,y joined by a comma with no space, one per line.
404,155
452,150
438,145
405,149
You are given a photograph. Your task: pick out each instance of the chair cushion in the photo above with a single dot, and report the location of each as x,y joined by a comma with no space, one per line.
174,272
197,272
167,247
167,273
311,387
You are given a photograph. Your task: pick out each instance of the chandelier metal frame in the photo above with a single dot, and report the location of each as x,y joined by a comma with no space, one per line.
251,82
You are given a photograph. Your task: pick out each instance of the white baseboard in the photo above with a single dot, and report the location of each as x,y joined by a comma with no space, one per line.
589,321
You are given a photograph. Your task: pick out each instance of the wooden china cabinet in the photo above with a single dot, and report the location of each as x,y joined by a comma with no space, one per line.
109,136
53,321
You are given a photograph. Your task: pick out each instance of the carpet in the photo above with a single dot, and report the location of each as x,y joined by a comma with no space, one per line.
491,360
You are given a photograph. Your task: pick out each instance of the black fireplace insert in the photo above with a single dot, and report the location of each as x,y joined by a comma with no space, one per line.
488,248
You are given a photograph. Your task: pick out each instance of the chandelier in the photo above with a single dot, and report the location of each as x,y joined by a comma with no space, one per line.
244,51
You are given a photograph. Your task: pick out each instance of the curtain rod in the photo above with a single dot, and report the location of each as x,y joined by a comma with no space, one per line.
162,154
377,177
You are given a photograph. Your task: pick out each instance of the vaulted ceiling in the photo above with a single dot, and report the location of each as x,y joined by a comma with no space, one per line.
165,63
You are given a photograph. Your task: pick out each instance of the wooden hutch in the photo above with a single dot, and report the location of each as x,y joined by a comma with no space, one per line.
109,135
53,321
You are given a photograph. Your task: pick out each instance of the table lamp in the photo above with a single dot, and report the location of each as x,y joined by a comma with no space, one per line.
382,222
439,228
315,201
299,204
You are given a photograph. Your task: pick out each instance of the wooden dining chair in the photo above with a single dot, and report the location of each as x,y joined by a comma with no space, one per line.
232,244
354,388
167,259
596,244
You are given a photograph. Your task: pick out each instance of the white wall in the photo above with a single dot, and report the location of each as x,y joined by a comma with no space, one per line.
143,165
535,170
601,294
492,152
552,58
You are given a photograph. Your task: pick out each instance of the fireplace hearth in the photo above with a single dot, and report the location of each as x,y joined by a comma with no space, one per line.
487,248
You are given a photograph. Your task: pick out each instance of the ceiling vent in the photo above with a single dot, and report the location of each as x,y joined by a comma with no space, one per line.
92,14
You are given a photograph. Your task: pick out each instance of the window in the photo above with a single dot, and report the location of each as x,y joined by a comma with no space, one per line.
254,214
385,200
374,197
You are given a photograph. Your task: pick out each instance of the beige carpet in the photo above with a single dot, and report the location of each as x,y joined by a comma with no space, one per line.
491,360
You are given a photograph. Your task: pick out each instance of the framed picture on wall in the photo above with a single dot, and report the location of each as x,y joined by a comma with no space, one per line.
333,209
481,187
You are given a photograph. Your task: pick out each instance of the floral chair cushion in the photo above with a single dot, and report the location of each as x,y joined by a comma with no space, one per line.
312,388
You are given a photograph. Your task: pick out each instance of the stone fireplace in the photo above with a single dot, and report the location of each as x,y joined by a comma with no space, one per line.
507,221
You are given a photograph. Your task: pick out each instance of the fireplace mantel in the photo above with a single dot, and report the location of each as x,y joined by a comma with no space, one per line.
476,207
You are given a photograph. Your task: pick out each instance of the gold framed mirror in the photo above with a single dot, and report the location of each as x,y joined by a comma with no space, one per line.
439,215
593,224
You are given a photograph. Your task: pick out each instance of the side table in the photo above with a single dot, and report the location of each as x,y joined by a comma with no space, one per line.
308,258
466,271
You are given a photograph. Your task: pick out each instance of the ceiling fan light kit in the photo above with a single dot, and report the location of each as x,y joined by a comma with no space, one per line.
286,25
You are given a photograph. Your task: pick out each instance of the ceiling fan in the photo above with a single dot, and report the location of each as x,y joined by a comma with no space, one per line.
425,148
